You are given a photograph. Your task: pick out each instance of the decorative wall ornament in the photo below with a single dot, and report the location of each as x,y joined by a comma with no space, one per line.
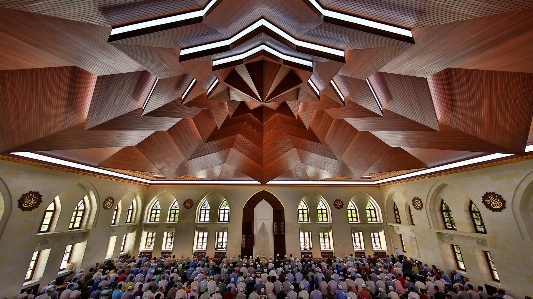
108,203
188,203
417,203
44,242
30,201
338,204
76,237
493,201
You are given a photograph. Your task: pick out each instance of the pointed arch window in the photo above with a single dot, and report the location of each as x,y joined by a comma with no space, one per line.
477,220
353,214
447,216
322,211
410,215
397,214
371,213
303,212
76,221
204,212
48,218
155,212
174,212
115,214
223,212
131,213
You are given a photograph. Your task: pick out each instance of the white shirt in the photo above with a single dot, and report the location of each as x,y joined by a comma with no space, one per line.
413,295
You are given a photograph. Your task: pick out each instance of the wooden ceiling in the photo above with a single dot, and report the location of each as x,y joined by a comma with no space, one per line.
463,88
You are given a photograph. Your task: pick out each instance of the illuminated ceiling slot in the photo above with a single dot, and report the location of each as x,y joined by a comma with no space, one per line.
266,48
313,86
188,89
213,85
375,95
150,94
339,93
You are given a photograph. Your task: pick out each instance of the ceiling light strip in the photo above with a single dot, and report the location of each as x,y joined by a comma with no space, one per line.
313,86
374,94
188,89
165,20
339,93
361,21
259,49
150,94
213,85
254,26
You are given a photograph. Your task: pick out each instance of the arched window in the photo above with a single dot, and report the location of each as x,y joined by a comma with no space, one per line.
155,212
174,212
303,212
322,212
397,214
410,215
115,214
204,212
371,213
477,220
48,217
447,216
353,215
223,212
76,221
131,213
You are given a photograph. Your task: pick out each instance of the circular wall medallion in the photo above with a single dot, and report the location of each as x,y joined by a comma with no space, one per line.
30,201
493,201
108,203
188,203
338,203
417,203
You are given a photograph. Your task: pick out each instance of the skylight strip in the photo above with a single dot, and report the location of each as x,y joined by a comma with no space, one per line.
262,48
361,21
337,90
256,25
212,86
374,94
200,182
320,183
150,94
164,20
61,162
313,86
188,89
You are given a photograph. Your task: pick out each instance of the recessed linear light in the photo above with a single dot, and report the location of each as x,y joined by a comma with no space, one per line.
375,95
313,86
188,89
150,94
254,26
337,90
361,21
260,48
213,85
163,21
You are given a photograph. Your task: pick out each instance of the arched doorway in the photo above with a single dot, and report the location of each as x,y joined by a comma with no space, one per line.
248,220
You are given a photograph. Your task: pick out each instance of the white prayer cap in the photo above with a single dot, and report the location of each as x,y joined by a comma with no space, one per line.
391,288
339,287
292,287
380,289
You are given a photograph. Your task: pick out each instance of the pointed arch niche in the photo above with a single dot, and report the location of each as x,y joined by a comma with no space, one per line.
248,220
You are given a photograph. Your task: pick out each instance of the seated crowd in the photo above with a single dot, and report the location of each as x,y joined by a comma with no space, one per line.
264,278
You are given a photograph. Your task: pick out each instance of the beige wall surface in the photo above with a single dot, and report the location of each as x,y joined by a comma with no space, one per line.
508,239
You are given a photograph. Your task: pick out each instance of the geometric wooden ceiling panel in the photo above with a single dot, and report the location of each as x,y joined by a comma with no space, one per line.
459,88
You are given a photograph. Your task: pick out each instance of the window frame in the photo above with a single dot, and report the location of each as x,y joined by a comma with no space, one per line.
492,267
169,240
397,213
201,238
352,211
376,240
324,238
371,213
53,213
149,239
155,212
68,254
306,236
130,216
360,239
221,238
322,211
410,215
115,214
33,265
402,242
123,244
476,213
303,212
204,212
447,216
458,256
223,212
173,212
76,215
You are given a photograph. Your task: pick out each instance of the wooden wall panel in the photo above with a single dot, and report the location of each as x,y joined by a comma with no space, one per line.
494,106
39,102
390,121
361,63
358,92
